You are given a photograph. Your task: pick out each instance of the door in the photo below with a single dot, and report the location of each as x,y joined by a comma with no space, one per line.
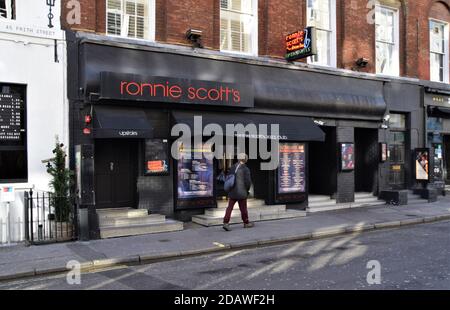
447,159
115,173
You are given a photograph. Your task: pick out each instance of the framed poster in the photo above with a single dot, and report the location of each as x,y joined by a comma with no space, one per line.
291,168
422,163
347,152
384,152
195,177
156,157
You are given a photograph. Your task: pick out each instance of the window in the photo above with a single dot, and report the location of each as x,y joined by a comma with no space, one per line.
8,9
322,15
397,121
239,26
13,144
131,18
439,52
387,41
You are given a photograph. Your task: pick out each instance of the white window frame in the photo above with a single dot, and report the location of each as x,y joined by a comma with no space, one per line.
151,22
446,50
253,33
333,47
8,4
396,51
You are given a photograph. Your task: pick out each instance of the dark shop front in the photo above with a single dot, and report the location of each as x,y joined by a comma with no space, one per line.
437,109
127,99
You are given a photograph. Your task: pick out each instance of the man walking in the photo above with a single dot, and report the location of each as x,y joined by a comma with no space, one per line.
239,193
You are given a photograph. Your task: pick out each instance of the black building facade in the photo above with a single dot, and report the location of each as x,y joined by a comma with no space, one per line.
339,124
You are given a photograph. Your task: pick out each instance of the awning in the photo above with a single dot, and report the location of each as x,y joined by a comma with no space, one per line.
437,111
115,122
291,128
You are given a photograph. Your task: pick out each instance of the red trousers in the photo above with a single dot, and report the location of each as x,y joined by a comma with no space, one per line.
242,206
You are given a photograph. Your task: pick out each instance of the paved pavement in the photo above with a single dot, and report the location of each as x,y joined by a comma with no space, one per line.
412,257
16,262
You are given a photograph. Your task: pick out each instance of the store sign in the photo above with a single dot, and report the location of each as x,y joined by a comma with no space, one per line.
292,168
11,117
422,164
301,44
347,156
174,90
437,100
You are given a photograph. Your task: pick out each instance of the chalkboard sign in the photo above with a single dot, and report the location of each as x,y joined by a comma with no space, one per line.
11,117
156,157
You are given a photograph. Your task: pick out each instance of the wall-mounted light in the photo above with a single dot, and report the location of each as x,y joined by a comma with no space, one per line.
50,3
195,36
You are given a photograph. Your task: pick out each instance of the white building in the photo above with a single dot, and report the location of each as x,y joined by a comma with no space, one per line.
32,65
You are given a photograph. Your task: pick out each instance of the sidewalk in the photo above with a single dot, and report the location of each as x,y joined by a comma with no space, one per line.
20,261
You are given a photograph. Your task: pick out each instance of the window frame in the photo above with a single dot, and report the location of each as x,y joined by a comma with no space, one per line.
10,10
151,21
332,30
446,53
253,34
396,45
23,148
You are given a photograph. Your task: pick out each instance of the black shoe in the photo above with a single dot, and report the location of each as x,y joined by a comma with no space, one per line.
226,227
249,225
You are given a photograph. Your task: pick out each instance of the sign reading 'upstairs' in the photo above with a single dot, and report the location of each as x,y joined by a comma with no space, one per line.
174,90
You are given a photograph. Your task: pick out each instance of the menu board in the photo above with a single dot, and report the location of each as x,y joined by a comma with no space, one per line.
11,110
195,172
347,156
156,157
292,168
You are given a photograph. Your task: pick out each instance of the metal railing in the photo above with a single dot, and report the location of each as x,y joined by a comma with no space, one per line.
49,218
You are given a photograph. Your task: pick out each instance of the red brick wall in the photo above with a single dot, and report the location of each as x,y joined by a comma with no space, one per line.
355,36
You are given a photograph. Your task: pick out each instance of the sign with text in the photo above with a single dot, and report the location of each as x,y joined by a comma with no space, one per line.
175,90
156,157
8,194
301,44
437,100
292,168
11,117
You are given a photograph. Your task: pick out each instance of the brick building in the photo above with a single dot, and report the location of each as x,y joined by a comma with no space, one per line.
377,87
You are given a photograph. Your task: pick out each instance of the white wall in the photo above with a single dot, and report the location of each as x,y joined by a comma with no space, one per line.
27,48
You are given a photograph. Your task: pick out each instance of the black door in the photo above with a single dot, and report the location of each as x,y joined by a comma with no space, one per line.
115,173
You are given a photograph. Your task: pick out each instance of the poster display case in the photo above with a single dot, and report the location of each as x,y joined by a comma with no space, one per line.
195,178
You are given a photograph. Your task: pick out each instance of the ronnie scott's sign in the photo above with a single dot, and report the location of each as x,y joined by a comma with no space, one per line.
301,44
174,90
437,100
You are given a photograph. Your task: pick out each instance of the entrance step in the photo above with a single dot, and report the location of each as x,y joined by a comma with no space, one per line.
251,203
134,230
131,222
257,211
264,209
121,213
316,204
127,221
